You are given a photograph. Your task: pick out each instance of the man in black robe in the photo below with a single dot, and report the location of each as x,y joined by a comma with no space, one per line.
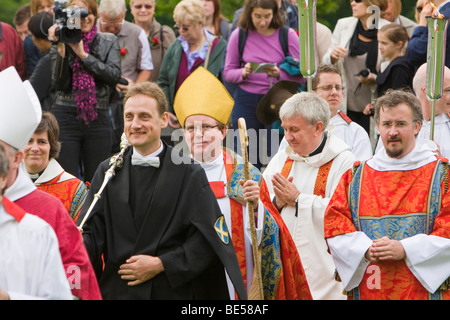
157,227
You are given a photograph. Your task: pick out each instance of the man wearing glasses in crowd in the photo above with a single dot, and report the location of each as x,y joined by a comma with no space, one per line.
327,83
136,58
137,64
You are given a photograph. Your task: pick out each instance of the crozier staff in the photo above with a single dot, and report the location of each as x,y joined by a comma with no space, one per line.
153,246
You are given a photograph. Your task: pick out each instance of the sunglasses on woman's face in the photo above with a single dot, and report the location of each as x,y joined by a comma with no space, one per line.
146,6
182,27
357,1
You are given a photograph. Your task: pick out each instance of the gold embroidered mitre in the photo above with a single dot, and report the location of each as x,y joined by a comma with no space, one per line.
203,94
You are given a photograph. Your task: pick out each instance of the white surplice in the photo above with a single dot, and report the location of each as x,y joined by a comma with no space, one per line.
30,262
306,224
427,256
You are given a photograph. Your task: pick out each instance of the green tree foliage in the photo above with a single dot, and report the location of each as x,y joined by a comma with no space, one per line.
8,9
328,11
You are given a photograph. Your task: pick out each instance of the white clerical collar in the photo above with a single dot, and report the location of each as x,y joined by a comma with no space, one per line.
52,170
136,153
217,160
421,155
22,186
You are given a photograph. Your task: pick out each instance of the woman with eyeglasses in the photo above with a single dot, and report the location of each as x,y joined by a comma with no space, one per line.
159,36
354,48
84,75
261,20
194,47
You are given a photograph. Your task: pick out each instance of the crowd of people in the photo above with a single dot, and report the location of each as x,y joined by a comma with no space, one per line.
138,160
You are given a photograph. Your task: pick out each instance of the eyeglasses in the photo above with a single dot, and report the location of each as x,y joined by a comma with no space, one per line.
357,1
146,6
330,87
109,24
183,28
419,9
204,128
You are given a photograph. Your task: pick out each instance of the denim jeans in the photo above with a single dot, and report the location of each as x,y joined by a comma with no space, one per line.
83,147
245,104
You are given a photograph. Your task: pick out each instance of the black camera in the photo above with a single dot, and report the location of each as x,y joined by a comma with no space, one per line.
363,73
68,21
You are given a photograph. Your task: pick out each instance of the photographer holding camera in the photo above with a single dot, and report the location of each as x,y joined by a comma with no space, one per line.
84,74
354,48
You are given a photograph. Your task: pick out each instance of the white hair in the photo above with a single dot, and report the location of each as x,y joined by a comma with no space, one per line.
309,105
112,8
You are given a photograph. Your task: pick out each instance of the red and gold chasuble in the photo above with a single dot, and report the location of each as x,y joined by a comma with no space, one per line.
290,280
398,211
68,192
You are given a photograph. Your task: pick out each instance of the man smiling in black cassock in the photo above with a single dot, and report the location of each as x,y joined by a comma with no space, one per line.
154,224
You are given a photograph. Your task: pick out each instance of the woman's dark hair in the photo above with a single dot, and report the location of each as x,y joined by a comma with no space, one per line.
218,16
245,20
50,125
39,24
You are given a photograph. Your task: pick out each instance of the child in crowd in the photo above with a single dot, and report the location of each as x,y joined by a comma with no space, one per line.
395,71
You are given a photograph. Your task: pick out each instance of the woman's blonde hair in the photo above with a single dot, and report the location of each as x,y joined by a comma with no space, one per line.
190,10
91,6
34,6
382,4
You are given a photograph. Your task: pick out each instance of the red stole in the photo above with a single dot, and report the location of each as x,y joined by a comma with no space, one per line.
292,283
237,222
17,212
322,176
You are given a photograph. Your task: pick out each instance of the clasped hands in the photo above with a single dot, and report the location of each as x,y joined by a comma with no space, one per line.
385,249
285,191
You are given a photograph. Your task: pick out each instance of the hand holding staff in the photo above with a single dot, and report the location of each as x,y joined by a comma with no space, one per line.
115,162
257,278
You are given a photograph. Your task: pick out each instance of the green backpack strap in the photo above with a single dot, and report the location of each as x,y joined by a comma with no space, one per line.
283,38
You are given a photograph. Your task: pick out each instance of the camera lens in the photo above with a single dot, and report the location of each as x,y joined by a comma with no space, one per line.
363,73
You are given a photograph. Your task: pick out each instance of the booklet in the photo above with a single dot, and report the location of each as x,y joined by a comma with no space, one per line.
260,67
